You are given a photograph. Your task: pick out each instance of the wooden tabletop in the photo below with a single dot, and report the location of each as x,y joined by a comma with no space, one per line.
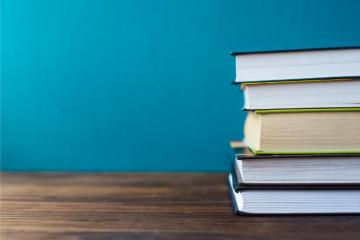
144,206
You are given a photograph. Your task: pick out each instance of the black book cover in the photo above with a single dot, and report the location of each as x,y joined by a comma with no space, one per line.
248,154
293,50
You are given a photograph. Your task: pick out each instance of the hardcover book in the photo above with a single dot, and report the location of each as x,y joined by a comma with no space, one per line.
295,201
296,171
321,63
343,93
303,131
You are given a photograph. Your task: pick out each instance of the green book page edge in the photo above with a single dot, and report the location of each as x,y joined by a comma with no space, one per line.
307,152
304,110
299,81
312,152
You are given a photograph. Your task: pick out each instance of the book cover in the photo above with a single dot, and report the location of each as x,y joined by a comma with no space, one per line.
293,50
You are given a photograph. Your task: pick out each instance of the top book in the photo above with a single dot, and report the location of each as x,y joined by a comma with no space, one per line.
298,64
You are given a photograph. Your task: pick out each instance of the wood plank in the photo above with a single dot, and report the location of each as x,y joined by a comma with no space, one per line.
144,206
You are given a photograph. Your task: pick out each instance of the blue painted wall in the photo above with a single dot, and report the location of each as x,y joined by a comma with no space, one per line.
137,84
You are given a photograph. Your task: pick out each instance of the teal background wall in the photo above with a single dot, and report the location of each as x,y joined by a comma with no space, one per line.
139,85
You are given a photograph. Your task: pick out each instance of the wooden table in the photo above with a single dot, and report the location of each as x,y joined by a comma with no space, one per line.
144,206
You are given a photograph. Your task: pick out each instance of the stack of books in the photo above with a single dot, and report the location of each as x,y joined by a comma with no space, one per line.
301,147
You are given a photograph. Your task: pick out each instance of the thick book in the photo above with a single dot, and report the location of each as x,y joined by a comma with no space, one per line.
303,131
296,171
294,202
321,63
302,94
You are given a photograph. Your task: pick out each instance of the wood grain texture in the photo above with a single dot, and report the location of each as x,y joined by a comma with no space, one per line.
144,206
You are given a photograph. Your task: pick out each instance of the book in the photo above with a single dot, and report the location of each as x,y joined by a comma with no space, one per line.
303,131
296,64
300,171
298,201
302,94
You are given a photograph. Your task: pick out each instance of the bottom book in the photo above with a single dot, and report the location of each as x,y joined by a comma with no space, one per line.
297,202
